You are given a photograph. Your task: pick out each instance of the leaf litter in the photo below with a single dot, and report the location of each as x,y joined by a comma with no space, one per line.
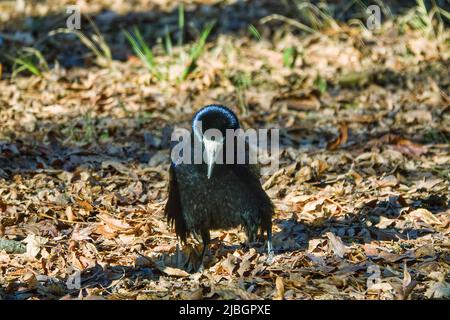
361,196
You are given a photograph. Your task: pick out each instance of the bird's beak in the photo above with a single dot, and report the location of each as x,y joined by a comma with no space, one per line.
212,148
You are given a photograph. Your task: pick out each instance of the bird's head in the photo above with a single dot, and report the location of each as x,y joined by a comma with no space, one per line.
209,126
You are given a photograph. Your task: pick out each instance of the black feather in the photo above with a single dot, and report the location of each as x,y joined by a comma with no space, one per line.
232,197
173,209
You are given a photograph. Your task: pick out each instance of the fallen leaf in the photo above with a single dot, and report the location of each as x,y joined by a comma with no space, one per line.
410,148
341,139
426,216
393,257
407,284
115,223
425,251
174,272
336,245
229,264
85,205
383,286
80,234
34,245
279,284
69,214
384,223
438,290
119,167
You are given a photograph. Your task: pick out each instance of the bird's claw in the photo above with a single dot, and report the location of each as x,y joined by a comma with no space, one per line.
201,268
270,258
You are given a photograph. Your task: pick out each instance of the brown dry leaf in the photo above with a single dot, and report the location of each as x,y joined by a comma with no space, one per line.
85,205
427,184
164,248
304,174
76,262
105,230
119,167
279,285
408,284
438,290
30,280
194,295
173,272
127,239
384,222
229,264
425,251
336,245
80,234
341,139
388,181
34,244
114,223
245,266
426,216
420,116
314,244
370,250
406,277
295,198
383,286
410,148
393,257
69,214
319,166
356,176
313,205
405,146
3,206
4,258
303,104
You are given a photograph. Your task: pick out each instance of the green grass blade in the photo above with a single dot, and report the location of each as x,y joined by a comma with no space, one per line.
168,42
254,32
147,51
30,60
141,49
289,57
180,24
197,50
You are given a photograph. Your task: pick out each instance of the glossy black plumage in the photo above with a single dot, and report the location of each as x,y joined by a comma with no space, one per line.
232,196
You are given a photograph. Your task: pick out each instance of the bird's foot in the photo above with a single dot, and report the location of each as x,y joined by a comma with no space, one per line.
270,258
270,254
201,268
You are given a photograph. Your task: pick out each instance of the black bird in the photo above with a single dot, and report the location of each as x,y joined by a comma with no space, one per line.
216,195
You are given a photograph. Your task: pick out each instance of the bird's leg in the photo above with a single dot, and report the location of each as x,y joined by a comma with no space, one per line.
270,254
205,239
252,234
195,235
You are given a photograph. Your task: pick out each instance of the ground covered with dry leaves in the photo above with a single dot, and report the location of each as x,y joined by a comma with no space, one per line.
362,194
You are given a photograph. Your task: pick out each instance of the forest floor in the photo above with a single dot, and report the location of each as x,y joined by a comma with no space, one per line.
361,196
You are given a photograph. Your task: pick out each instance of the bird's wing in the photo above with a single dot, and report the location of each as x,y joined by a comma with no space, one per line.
250,174
173,210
